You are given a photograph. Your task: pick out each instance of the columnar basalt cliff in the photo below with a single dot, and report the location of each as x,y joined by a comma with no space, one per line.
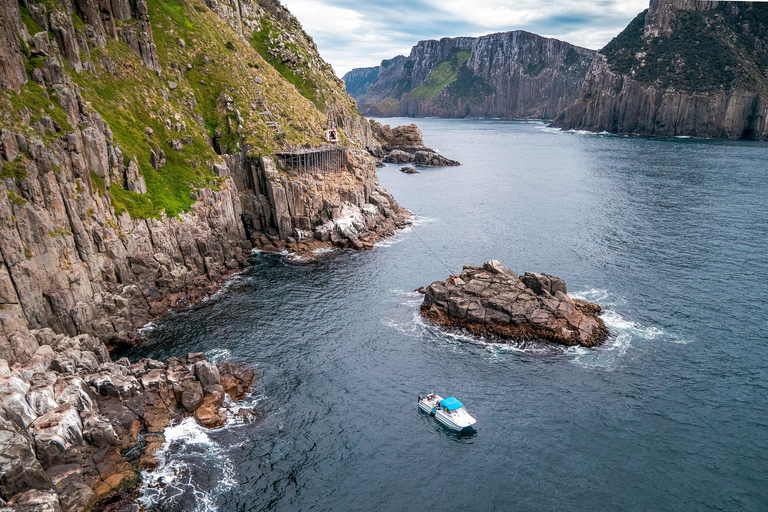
681,68
136,173
510,75
492,301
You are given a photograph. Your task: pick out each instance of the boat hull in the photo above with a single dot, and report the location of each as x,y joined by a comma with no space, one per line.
451,425
430,408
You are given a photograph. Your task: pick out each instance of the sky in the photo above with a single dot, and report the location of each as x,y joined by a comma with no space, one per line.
362,33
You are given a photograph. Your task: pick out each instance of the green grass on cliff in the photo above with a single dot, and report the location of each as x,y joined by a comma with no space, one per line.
218,95
130,103
445,73
40,103
261,42
468,86
222,67
32,26
708,51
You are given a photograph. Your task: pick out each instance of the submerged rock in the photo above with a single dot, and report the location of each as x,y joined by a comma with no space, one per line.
493,301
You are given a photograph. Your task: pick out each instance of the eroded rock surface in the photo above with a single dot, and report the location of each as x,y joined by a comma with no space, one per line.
493,301
76,426
405,145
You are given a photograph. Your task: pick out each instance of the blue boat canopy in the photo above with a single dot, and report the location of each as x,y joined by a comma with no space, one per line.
451,404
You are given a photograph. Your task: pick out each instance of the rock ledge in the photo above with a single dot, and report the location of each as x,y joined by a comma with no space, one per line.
492,301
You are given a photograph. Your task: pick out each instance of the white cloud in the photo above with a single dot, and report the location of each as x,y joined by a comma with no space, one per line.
360,33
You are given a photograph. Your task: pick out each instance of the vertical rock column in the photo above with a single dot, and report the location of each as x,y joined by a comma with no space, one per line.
12,73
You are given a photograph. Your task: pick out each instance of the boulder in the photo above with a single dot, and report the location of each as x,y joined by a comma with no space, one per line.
433,159
192,396
58,435
209,414
409,170
36,501
492,301
399,157
19,468
206,373
236,380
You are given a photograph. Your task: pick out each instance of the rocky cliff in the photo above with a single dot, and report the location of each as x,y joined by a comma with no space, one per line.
76,426
509,75
405,145
138,144
681,68
136,168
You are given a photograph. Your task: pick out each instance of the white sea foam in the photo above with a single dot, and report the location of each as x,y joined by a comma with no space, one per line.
416,221
235,278
218,355
626,333
147,328
173,478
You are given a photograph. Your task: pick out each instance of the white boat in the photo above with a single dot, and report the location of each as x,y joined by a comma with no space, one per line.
448,411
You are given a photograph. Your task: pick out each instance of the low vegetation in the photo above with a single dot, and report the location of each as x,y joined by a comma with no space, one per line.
707,51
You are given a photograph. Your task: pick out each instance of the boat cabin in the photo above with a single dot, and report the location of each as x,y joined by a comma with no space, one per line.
451,404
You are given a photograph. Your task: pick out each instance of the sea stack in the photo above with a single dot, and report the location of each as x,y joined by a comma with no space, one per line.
492,301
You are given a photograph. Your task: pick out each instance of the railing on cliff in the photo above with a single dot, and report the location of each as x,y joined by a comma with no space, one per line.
322,159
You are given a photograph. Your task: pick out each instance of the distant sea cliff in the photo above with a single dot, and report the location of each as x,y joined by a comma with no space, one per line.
683,67
510,75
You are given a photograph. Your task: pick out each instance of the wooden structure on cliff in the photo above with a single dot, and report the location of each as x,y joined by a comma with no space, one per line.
322,159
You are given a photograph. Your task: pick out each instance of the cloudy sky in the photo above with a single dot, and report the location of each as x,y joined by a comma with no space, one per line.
361,33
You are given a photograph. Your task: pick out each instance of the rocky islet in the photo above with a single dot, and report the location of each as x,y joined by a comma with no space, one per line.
494,302
405,145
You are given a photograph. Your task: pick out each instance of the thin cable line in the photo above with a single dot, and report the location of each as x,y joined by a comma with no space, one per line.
430,250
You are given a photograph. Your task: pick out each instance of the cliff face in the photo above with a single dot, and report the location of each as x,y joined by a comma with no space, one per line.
682,68
359,80
136,169
511,75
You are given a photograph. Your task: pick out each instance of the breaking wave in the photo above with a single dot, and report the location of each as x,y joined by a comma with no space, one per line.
192,470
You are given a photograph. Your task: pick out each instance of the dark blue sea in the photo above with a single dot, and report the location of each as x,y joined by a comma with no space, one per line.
670,236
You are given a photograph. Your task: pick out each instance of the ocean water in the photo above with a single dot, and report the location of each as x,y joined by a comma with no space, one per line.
670,236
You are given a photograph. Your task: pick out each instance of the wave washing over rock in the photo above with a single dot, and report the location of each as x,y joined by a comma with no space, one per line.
76,426
492,301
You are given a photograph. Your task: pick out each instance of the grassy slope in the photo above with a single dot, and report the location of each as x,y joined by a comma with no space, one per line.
131,101
450,75
444,74
707,51
280,34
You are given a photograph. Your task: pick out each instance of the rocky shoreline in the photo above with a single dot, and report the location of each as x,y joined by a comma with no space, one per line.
77,427
405,145
493,302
